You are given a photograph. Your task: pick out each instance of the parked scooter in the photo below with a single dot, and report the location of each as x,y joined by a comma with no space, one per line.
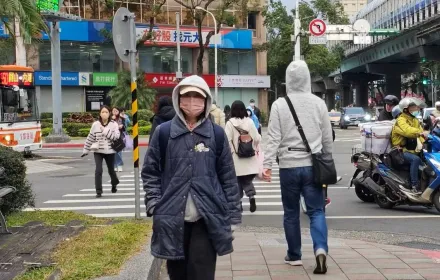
391,186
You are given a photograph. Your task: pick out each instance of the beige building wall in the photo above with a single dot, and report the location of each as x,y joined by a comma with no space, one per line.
352,7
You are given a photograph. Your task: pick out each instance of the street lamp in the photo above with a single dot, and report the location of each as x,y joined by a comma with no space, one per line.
215,49
432,85
297,31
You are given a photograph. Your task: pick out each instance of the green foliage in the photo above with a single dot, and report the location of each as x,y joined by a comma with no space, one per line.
15,176
83,132
143,115
48,116
72,129
121,94
46,131
31,23
143,130
279,24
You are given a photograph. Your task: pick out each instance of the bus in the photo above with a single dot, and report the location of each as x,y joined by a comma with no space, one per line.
20,127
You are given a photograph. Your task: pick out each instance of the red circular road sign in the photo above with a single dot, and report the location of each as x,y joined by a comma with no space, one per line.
317,27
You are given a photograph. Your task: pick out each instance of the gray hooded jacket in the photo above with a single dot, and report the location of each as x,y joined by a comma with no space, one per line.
194,183
312,114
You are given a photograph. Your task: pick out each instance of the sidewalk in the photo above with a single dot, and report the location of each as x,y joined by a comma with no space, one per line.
261,257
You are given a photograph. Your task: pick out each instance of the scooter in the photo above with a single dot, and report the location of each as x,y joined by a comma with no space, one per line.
364,163
391,186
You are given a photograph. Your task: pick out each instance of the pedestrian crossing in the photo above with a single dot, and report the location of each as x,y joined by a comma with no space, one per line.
122,203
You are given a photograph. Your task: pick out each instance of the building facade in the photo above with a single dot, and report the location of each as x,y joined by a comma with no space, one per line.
352,7
90,64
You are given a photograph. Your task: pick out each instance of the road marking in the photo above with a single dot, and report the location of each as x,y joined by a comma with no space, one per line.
257,213
256,187
132,193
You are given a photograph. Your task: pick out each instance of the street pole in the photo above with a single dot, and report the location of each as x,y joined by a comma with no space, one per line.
56,78
134,109
215,50
179,69
296,33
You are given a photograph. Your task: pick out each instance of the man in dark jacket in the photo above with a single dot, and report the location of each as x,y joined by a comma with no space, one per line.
165,112
390,102
191,191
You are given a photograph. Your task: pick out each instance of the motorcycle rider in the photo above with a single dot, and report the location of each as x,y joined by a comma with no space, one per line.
391,102
408,134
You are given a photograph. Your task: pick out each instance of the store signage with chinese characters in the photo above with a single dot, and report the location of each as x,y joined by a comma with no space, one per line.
17,78
105,79
188,37
224,81
170,80
243,81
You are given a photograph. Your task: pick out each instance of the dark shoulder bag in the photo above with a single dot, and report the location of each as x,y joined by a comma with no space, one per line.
245,144
324,168
118,144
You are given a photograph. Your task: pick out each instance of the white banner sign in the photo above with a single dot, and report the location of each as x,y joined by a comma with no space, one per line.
242,81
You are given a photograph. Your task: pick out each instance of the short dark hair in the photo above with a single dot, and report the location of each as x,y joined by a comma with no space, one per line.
238,110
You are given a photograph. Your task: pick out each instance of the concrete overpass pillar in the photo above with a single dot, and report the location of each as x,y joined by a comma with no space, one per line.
361,94
345,96
330,99
393,85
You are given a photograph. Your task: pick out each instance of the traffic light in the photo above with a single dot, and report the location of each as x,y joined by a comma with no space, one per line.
384,32
423,59
425,78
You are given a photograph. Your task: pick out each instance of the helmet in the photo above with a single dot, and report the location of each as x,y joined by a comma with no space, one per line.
411,101
396,112
391,100
437,104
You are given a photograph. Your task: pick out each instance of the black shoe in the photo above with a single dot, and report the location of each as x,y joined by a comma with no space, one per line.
321,262
114,189
292,262
253,204
98,195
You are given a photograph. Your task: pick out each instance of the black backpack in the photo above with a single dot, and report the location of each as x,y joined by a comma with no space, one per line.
245,144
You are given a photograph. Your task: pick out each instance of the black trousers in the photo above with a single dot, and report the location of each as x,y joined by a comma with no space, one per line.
110,162
200,256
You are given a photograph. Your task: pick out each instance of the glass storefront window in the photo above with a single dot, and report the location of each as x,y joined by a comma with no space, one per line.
163,60
80,57
233,62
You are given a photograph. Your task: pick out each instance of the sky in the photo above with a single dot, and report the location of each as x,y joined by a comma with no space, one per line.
290,4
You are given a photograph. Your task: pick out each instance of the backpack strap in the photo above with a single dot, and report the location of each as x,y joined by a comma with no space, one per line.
164,135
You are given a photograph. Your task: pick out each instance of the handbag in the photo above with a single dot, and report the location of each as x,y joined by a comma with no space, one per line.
324,168
245,144
118,144
397,158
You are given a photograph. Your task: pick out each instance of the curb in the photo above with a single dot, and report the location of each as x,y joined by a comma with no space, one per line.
142,266
75,145
435,255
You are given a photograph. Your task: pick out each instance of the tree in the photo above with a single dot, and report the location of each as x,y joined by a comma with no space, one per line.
280,25
221,15
7,54
31,23
121,94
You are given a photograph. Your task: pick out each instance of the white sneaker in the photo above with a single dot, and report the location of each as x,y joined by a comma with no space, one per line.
116,169
119,168
321,262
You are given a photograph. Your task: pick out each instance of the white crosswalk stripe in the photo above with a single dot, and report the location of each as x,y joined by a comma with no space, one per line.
121,204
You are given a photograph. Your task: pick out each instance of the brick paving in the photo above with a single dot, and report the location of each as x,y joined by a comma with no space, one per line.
260,256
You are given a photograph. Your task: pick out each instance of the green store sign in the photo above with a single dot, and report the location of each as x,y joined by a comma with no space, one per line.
105,79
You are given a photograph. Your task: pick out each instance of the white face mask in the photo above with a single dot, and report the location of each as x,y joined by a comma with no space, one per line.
252,104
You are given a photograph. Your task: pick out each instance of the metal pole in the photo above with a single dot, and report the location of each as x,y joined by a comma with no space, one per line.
179,69
215,58
134,109
56,78
296,33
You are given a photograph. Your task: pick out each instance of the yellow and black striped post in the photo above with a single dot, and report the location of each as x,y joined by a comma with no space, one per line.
134,110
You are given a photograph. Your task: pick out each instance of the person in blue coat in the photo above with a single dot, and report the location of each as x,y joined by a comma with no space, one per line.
191,188
253,117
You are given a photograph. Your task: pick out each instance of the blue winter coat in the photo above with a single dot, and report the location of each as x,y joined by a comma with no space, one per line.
211,182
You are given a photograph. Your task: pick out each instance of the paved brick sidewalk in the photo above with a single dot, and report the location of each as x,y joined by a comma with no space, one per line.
260,257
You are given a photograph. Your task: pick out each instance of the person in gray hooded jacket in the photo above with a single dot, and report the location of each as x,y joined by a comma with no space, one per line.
191,190
296,171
